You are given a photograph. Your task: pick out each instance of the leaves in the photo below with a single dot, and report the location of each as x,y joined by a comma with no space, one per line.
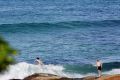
6,54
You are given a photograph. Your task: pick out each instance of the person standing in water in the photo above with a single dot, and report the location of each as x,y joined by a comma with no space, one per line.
38,61
99,67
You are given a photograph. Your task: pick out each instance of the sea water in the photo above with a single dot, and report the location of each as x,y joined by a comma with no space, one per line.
68,35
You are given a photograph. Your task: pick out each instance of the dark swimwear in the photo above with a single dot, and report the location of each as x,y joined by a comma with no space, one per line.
99,68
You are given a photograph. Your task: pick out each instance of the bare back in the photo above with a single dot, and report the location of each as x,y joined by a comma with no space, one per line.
38,62
98,63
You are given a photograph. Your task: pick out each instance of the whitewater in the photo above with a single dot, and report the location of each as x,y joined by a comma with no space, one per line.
23,69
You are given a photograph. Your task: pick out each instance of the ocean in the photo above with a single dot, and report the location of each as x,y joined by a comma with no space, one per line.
68,35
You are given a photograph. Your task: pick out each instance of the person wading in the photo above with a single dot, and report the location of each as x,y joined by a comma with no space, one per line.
99,67
38,61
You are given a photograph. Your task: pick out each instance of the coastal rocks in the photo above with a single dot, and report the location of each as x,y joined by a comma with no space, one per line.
44,76
112,77
41,76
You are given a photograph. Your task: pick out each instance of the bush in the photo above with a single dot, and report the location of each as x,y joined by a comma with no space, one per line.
6,54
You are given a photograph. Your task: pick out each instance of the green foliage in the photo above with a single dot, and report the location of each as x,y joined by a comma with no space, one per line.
6,54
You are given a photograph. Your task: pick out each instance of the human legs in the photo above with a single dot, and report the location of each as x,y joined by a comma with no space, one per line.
99,73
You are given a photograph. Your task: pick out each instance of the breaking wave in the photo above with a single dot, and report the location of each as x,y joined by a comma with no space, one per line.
23,69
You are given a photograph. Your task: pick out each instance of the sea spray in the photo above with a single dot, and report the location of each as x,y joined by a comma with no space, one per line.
23,69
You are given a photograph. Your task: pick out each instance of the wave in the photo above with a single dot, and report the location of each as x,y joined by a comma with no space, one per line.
23,69
69,24
88,68
60,26
111,65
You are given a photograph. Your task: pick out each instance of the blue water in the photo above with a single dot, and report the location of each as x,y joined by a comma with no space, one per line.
73,33
36,11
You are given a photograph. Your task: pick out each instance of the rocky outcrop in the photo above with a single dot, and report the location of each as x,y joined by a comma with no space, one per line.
44,76
111,77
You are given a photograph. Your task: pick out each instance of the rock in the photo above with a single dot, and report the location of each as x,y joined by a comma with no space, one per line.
44,76
90,78
110,77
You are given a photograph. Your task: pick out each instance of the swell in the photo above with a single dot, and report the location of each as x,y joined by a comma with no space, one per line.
89,68
70,24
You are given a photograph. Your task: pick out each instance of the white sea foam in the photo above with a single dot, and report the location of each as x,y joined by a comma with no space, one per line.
22,70
113,71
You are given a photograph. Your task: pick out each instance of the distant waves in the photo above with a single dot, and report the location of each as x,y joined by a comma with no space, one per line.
70,24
